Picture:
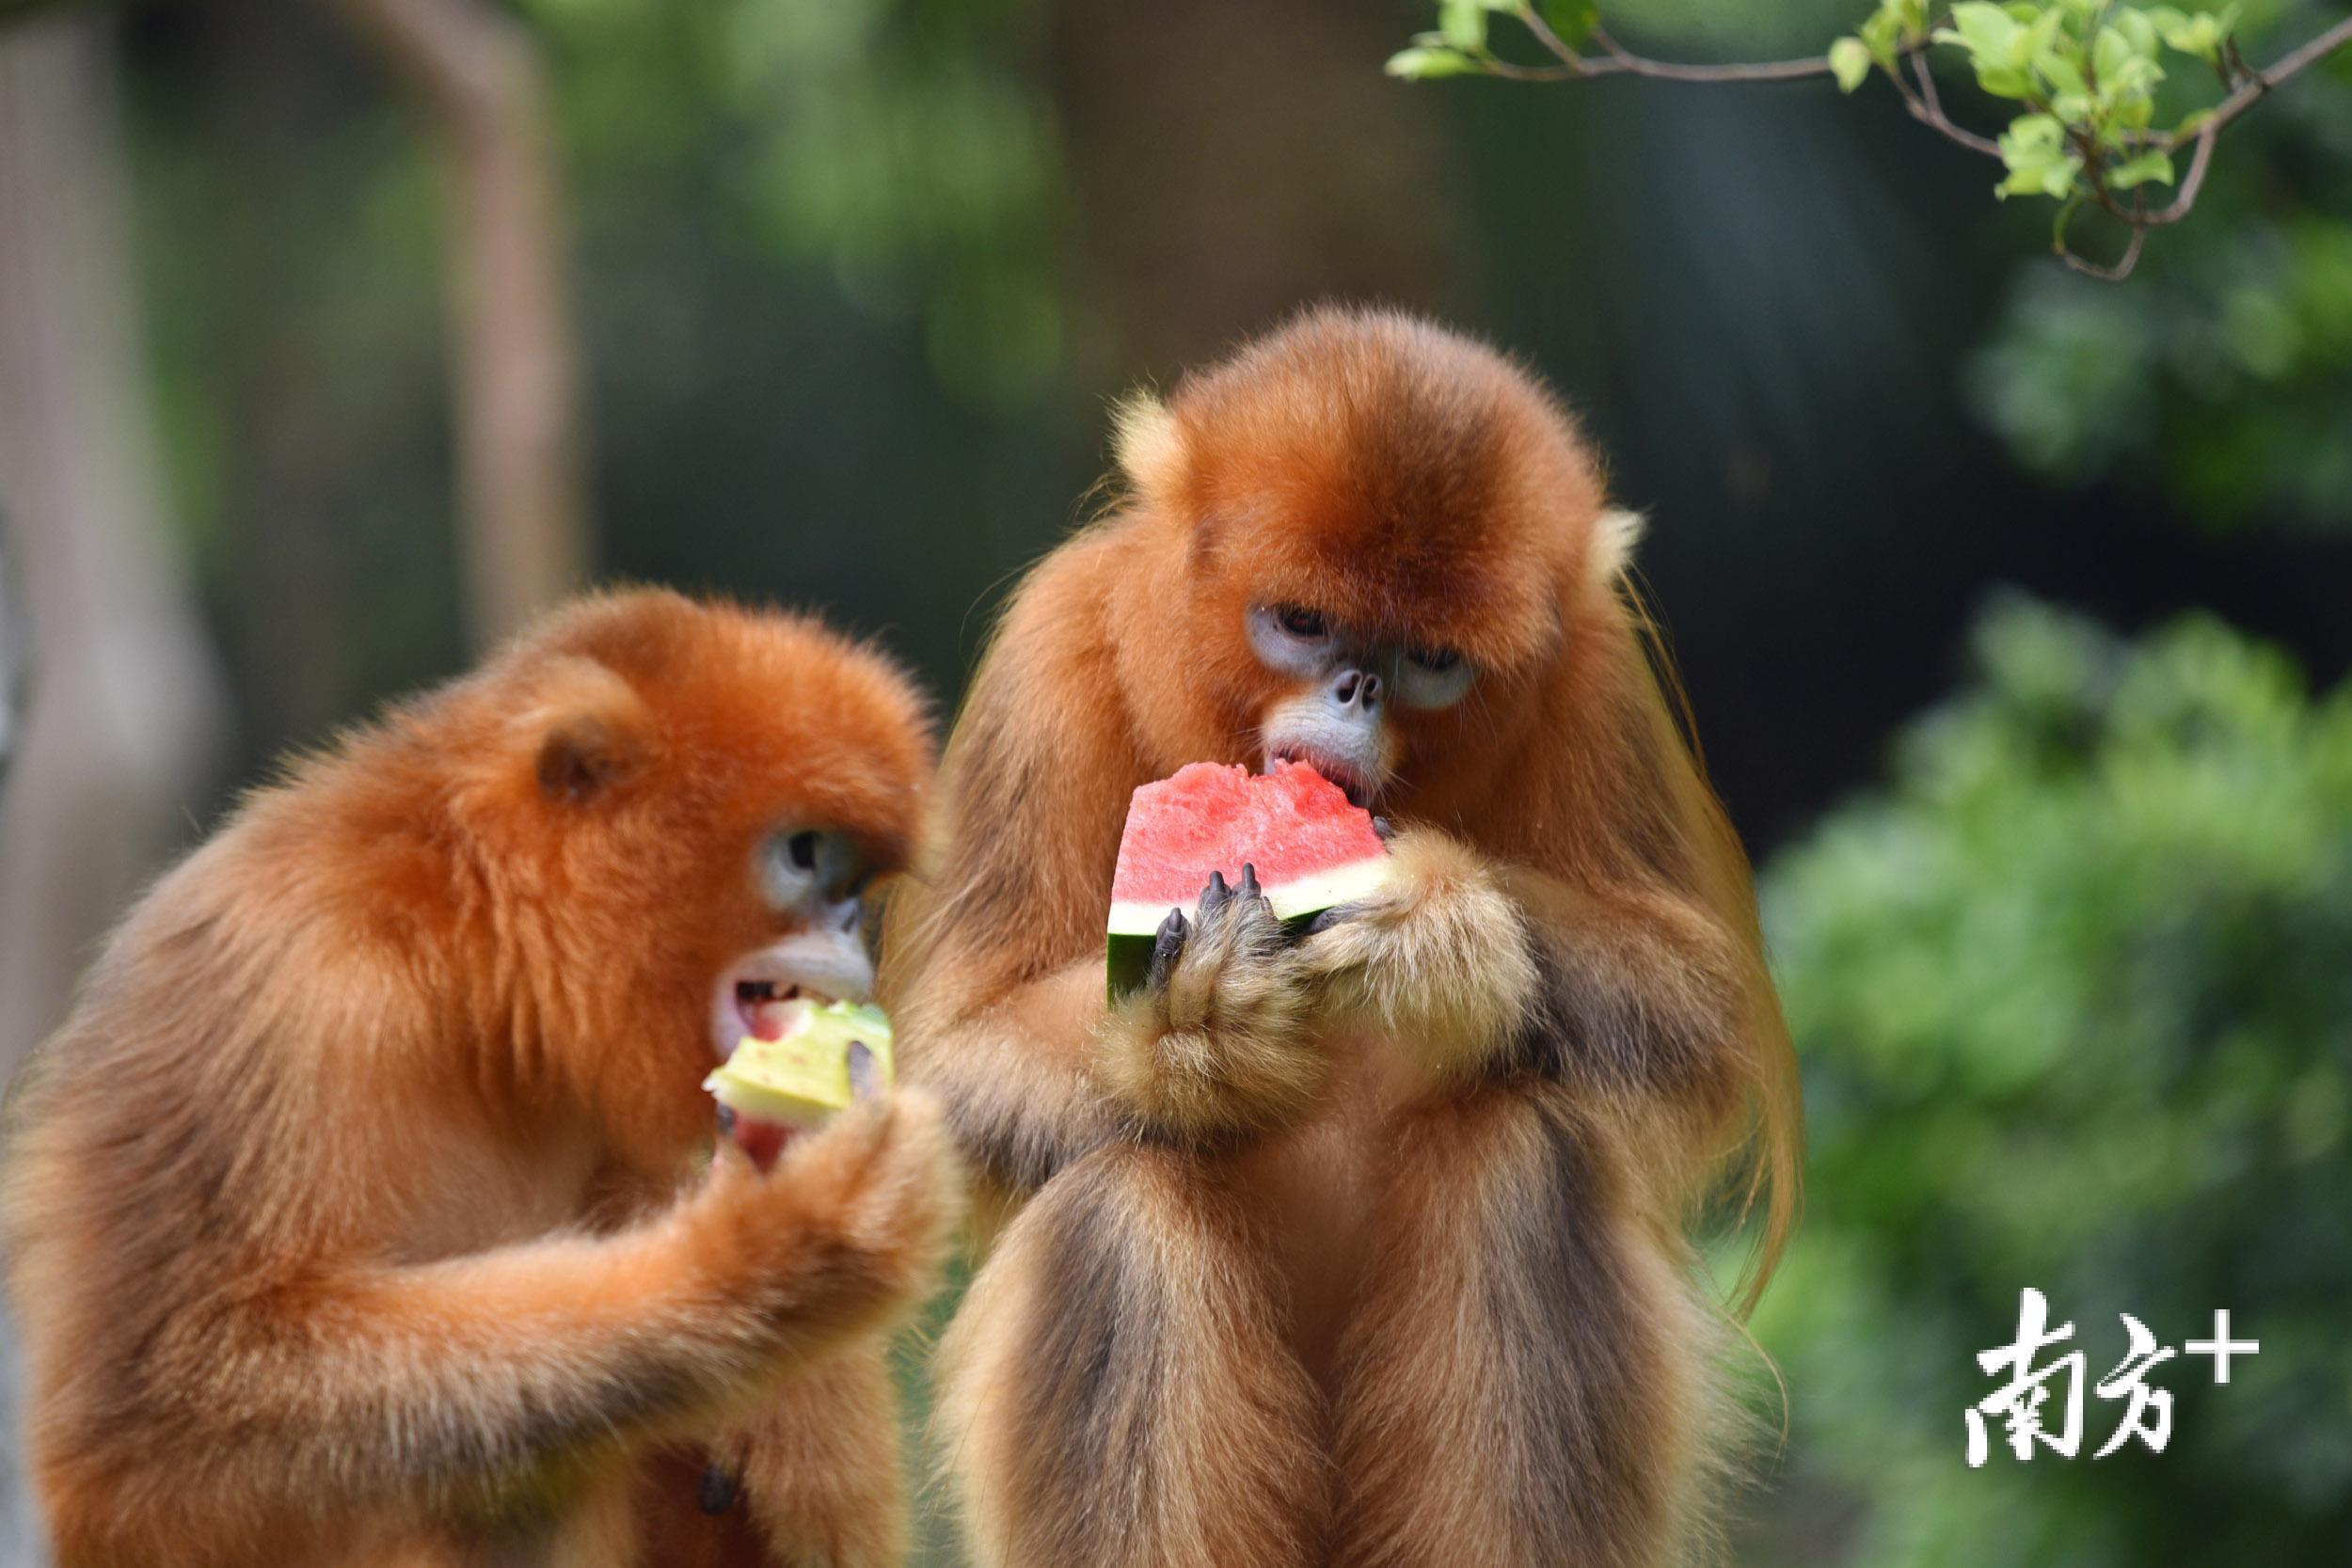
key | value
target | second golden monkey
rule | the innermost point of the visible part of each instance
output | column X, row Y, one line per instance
column 1366, row 1250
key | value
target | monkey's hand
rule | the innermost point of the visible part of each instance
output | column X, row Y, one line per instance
column 1215, row 1042
column 818, row 1466
column 1437, row 961
column 847, row 1231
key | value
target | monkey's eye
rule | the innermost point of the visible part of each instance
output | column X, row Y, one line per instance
column 808, row 867
column 1290, row 640
column 1433, row 677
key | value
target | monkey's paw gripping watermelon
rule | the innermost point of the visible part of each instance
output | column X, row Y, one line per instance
column 1310, row 849
column 825, row 1058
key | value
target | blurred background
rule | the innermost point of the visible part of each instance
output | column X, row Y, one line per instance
column 2015, row 608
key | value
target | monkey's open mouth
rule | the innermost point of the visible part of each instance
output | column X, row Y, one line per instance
column 1360, row 791
column 765, row 1006
column 760, row 992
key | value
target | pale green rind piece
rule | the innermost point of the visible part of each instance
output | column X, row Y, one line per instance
column 1341, row 884
column 804, row 1077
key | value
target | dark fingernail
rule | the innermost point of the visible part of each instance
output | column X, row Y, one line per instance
column 1213, row 895
column 1166, row 946
column 718, row 1491
column 726, row 1120
column 1249, row 888
column 1383, row 829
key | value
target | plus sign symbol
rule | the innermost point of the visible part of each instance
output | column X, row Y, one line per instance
column 2221, row 1348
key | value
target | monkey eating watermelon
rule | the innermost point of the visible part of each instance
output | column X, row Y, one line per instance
column 1291, row 830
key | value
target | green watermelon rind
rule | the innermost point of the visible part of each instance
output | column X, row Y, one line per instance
column 1135, row 926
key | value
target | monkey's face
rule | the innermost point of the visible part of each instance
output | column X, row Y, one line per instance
column 1382, row 535
column 711, row 795
column 1345, row 684
column 812, row 880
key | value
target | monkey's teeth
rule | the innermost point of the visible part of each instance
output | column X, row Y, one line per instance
column 766, row 1007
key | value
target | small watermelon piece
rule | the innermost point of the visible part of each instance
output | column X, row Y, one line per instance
column 1310, row 847
column 824, row 1059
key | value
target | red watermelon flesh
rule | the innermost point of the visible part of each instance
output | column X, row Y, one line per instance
column 1309, row 847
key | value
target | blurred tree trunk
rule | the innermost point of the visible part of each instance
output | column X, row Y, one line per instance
column 127, row 708
column 1224, row 184
column 475, row 74
column 126, row 711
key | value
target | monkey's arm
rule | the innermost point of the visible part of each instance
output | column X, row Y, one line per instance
column 993, row 960
column 1214, row 1044
column 1640, row 992
column 1634, row 994
column 1015, row 1073
column 433, row 1384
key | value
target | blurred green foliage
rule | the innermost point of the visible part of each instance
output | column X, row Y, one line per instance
column 2218, row 382
column 903, row 145
column 2221, row 382
column 2220, row 378
column 2074, row 1005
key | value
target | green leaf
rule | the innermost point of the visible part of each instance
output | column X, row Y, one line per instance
column 2059, row 67
column 2191, row 124
column 1573, row 20
column 2140, row 170
column 2135, row 30
column 2109, row 52
column 2003, row 81
column 1985, row 29
column 1464, row 25
column 2033, row 39
column 2031, row 133
column 1880, row 33
column 2197, row 33
column 2039, row 162
column 1850, row 62
column 1422, row 65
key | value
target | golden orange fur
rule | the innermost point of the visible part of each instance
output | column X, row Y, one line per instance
column 1367, row 1250
column 354, row 1215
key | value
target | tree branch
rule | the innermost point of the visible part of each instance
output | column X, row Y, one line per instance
column 1926, row 105
column 1927, row 108
column 2291, row 64
column 1618, row 60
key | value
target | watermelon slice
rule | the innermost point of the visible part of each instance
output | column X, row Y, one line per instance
column 1310, row 849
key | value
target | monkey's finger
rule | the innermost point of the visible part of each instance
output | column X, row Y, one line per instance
column 1338, row 914
column 1213, row 896
column 1251, row 915
column 1167, row 946
column 761, row 1141
column 718, row 1491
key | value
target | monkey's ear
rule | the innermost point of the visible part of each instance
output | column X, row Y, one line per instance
column 1615, row 534
column 587, row 732
column 1150, row 444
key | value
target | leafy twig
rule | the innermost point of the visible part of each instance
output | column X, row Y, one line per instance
column 2085, row 136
